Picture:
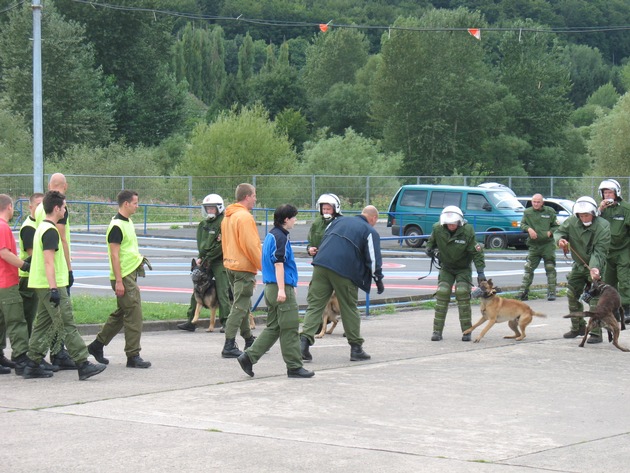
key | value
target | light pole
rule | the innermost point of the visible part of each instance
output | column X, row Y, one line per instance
column 38, row 148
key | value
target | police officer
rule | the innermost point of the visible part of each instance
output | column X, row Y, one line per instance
column 329, row 207
column 539, row 221
column 587, row 237
column 211, row 258
column 453, row 240
column 617, row 213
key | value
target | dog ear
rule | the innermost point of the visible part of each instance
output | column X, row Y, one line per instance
column 193, row 264
column 490, row 282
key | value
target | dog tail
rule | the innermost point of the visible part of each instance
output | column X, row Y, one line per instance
column 538, row 314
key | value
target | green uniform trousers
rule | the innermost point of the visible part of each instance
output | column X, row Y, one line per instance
column 12, row 321
column 462, row 278
column 243, row 284
column 48, row 319
column 218, row 271
column 547, row 253
column 29, row 300
column 617, row 273
column 323, row 283
column 283, row 322
column 576, row 280
column 128, row 315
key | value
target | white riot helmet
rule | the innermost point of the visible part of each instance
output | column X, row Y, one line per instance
column 212, row 200
column 612, row 185
column 331, row 199
column 585, row 205
column 452, row 214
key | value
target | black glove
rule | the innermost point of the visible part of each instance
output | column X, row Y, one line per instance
column 480, row 277
column 586, row 296
column 379, row 285
column 430, row 252
column 70, row 278
column 26, row 267
column 55, row 298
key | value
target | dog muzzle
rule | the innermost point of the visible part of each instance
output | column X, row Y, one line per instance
column 477, row 293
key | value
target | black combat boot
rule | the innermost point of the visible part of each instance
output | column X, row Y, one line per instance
column 5, row 370
column 466, row 337
column 187, row 326
column 523, row 295
column 96, row 350
column 35, row 370
column 304, row 344
column 87, row 369
column 137, row 362
column 63, row 360
column 249, row 341
column 230, row 349
column 436, row 337
column 551, row 295
column 626, row 314
column 246, row 364
column 357, row 353
column 300, row 373
column 4, row 361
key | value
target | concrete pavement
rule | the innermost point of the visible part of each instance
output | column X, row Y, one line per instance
column 542, row 404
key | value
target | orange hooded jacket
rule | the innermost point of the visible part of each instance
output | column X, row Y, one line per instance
column 242, row 250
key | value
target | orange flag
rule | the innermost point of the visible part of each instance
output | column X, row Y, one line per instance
column 476, row 32
column 323, row 27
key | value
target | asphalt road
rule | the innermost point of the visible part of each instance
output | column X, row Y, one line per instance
column 171, row 250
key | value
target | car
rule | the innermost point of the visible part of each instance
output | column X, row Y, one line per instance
column 563, row 207
column 496, row 185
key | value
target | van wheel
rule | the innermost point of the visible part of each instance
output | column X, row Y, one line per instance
column 413, row 242
column 496, row 242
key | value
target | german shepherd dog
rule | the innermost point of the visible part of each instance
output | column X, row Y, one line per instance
column 205, row 291
column 497, row 309
column 330, row 316
column 608, row 313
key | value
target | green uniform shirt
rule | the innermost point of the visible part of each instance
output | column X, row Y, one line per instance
column 37, row 278
column 29, row 223
column 589, row 243
column 317, row 230
column 618, row 216
column 542, row 221
column 457, row 250
column 130, row 257
column 209, row 240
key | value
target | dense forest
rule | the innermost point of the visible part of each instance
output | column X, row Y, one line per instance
column 346, row 87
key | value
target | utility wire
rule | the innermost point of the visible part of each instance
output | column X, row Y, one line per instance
column 294, row 24
column 12, row 7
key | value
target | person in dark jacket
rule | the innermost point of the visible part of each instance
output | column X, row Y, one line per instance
column 349, row 258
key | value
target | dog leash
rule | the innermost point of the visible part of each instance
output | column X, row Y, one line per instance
column 435, row 261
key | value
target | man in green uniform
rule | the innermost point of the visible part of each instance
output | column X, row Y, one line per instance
column 329, row 208
column 211, row 258
column 587, row 237
column 617, row 213
column 280, row 276
column 454, row 242
column 27, row 232
column 539, row 221
column 125, row 265
column 49, row 278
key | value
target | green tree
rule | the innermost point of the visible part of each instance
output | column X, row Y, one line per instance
column 435, row 97
column 16, row 146
column 587, row 71
column 76, row 103
column 238, row 143
column 343, row 106
column 609, row 146
column 346, row 159
column 334, row 56
column 605, row 96
column 295, row 125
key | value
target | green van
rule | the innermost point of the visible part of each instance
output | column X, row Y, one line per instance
column 415, row 208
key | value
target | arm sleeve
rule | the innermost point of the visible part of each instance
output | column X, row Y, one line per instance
column 26, row 235
column 50, row 240
column 115, row 235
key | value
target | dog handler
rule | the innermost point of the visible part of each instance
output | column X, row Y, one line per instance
column 211, row 258
column 587, row 237
column 539, row 221
column 617, row 213
column 125, row 264
column 457, row 245
column 280, row 276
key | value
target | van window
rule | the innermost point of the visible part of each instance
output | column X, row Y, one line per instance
column 476, row 202
column 440, row 199
column 414, row 198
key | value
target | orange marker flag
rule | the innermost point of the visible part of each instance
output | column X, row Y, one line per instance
column 476, row 32
column 323, row 27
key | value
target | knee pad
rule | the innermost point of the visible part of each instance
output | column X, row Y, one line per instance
column 462, row 291
column 443, row 292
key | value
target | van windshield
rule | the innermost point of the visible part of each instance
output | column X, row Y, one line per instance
column 505, row 200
